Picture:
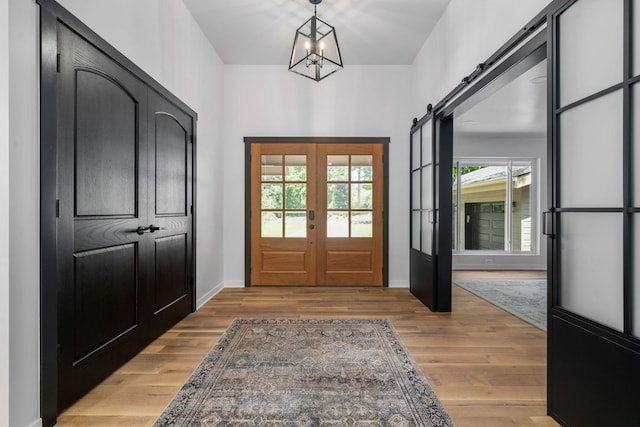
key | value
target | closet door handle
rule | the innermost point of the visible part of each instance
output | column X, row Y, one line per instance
column 141, row 230
column 151, row 229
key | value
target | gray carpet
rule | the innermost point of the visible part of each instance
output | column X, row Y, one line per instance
column 526, row 299
column 304, row 372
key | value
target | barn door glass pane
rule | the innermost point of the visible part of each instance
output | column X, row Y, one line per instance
column 592, row 285
column 636, row 37
column 636, row 143
column 636, row 275
column 427, row 209
column 415, row 230
column 597, row 24
column 591, row 153
column 415, row 151
column 427, row 145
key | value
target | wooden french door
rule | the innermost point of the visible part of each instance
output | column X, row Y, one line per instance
column 124, row 229
column 316, row 214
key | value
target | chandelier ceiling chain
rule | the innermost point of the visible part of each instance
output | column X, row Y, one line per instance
column 315, row 53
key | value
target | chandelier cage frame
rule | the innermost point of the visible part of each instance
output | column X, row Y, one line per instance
column 315, row 53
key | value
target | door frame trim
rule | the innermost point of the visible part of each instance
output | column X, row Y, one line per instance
column 51, row 15
column 249, row 140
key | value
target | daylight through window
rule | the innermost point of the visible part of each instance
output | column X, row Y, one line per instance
column 494, row 205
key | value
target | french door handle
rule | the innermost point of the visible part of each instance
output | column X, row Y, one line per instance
column 312, row 215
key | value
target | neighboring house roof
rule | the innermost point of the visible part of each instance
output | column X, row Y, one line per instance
column 492, row 173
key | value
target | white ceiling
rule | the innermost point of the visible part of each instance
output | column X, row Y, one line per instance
column 520, row 107
column 370, row 32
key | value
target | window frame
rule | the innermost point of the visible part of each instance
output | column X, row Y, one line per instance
column 534, row 197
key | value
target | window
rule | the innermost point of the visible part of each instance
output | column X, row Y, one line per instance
column 494, row 205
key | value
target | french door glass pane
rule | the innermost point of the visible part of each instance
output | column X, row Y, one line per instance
column 295, row 196
column 591, row 153
column 427, row 143
column 362, row 168
column 271, row 225
column 361, row 196
column 337, row 224
column 415, row 150
column 521, row 232
column 296, row 168
column 591, row 42
column 295, row 224
column 427, row 230
column 636, row 275
column 271, row 166
column 591, row 266
column 271, row 196
column 361, row 224
column 415, row 230
column 337, row 168
column 338, row 196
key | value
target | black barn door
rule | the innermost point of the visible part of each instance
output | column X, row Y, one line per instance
column 124, row 230
column 594, row 219
column 430, row 216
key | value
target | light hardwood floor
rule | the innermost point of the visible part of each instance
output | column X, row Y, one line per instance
column 487, row 366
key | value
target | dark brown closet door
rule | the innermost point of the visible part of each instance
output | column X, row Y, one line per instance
column 170, row 133
column 124, row 228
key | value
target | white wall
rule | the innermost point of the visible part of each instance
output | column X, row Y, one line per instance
column 162, row 38
column 357, row 101
column 4, row 213
column 468, row 33
column 24, row 216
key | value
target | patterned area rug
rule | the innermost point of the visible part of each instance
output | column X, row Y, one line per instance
column 526, row 299
column 298, row 372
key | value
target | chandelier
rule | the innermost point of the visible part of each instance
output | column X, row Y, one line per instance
column 316, row 53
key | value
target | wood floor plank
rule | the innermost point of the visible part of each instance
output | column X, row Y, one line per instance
column 487, row 366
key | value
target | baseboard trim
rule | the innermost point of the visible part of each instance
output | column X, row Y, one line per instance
column 399, row 284
column 210, row 294
column 234, row 284
column 36, row 423
column 512, row 267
